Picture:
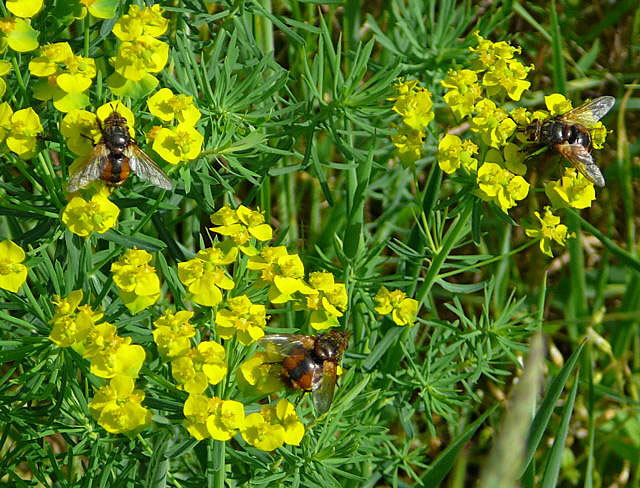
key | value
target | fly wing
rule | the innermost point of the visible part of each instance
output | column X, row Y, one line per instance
column 582, row 160
column 589, row 113
column 88, row 170
column 323, row 394
column 284, row 344
column 146, row 169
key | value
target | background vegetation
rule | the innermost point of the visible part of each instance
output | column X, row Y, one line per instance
column 296, row 121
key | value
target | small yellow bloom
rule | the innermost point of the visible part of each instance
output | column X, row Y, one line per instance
column 204, row 276
column 182, row 143
column 72, row 323
column 492, row 123
column 283, row 272
column 141, row 21
column 25, row 128
column 18, row 34
column 141, row 56
column 172, row 333
column 490, row 53
column 262, row 434
column 463, row 91
column 200, row 367
column 167, row 107
column 119, row 357
column 13, row 273
column 241, row 225
column 512, row 160
column 409, row 143
column 501, row 186
column 550, row 230
column 573, row 190
column 244, row 319
column 403, row 310
column 83, row 217
column 101, row 9
column 137, row 281
column 225, row 418
column 328, row 303
column 117, row 406
column 453, row 152
column 415, row 106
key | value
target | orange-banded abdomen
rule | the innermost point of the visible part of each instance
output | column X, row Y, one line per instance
column 301, row 371
column 116, row 170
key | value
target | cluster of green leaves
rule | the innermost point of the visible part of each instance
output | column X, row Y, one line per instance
column 296, row 121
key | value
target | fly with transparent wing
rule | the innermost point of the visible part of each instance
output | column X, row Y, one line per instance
column 570, row 135
column 309, row 363
column 115, row 157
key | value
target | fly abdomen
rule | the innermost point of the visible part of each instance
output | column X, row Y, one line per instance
column 116, row 171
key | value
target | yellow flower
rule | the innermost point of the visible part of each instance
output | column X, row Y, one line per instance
column 507, row 76
column 327, row 303
column 492, row 123
column 550, row 230
column 141, row 21
column 557, row 104
column 225, row 418
column 245, row 319
column 490, row 53
column 182, row 143
column 5, row 120
column 241, row 225
column 501, row 186
column 13, row 273
column 403, row 310
column 18, row 34
column 512, row 160
column 118, row 357
column 285, row 415
column 453, row 153
column 204, row 276
column 414, row 104
column 25, row 127
column 172, row 333
column 573, row 190
column 72, row 323
column 200, row 367
column 409, row 143
column 167, row 107
column 463, row 91
column 83, row 217
column 138, row 57
column 117, row 406
column 262, row 434
column 137, row 282
column 260, row 374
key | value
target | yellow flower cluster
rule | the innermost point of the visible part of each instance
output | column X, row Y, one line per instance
column 415, row 106
column 471, row 94
column 117, row 405
column 97, row 214
column 137, row 282
column 182, row 142
column 65, row 77
column 139, row 53
column 403, row 310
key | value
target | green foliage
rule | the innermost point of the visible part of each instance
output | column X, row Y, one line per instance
column 297, row 120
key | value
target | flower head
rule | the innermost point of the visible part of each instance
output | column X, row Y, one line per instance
column 572, row 190
column 137, row 282
column 260, row 374
column 82, row 217
column 182, row 143
column 172, row 333
column 167, row 107
column 463, row 91
column 241, row 225
column 453, row 152
column 414, row 104
column 492, row 123
column 244, row 319
column 403, row 310
column 18, row 34
column 13, row 273
column 329, row 301
column 204, row 276
column 117, row 406
column 25, row 127
column 408, row 143
column 200, row 367
column 71, row 322
column 501, row 186
column 550, row 230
